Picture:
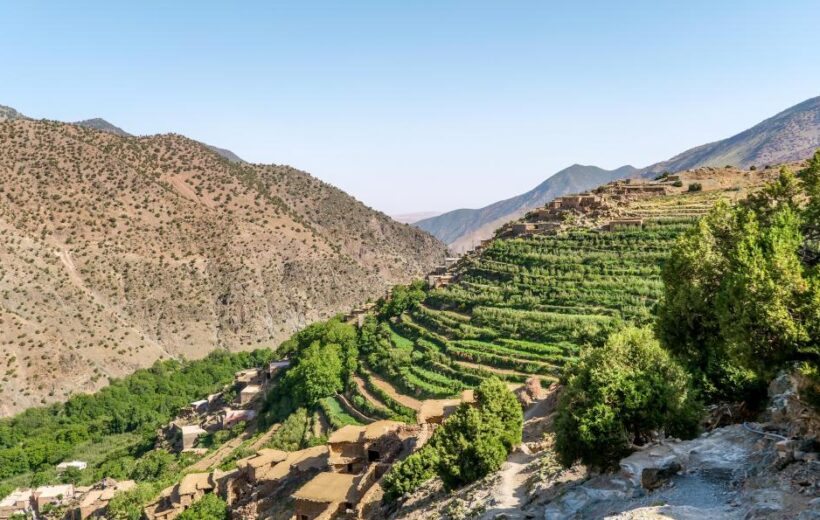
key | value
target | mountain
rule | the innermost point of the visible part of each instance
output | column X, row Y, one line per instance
column 7, row 113
column 791, row 135
column 410, row 218
column 116, row 251
column 462, row 229
column 104, row 126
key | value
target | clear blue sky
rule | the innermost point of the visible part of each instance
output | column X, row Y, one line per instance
column 417, row 105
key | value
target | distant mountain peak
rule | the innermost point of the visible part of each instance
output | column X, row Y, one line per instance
column 8, row 113
column 790, row 135
column 101, row 124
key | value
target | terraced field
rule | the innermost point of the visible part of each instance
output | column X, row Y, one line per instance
column 526, row 306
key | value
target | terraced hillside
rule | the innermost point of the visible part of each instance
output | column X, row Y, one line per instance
column 525, row 305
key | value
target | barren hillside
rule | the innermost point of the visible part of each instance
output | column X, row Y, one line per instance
column 117, row 251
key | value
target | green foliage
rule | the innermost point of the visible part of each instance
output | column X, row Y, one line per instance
column 324, row 357
column 128, row 505
column 741, row 293
column 42, row 437
column 695, row 186
column 209, row 507
column 292, row 433
column 618, row 395
column 403, row 298
column 408, row 474
column 472, row 443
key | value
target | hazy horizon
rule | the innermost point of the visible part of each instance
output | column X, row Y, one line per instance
column 424, row 107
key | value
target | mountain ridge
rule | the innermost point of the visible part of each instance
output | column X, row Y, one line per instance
column 790, row 135
column 117, row 251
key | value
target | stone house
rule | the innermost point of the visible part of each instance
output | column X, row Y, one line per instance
column 327, row 496
column 250, row 376
column 248, row 394
column 232, row 417
column 352, row 448
column 95, row 502
column 187, row 436
column 54, row 495
column 434, row 411
column 17, row 503
column 258, row 465
column 76, row 464
column 624, row 224
column 276, row 366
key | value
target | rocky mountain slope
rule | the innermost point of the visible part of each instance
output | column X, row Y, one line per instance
column 791, row 135
column 117, row 251
column 462, row 229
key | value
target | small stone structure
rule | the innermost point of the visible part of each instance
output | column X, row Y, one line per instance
column 19, row 502
column 94, row 502
column 327, row 495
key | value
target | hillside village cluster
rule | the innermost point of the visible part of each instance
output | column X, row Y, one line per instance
column 335, row 480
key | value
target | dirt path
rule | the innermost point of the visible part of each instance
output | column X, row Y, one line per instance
column 367, row 395
column 216, row 458
column 387, row 388
column 510, row 492
column 259, row 443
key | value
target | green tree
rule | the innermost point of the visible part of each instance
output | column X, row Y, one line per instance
column 618, row 396
column 210, row 507
column 408, row 474
column 741, row 290
column 317, row 374
column 129, row 504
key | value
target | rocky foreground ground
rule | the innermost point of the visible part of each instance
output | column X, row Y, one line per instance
column 749, row 470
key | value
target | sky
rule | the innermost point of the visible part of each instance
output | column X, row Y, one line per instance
column 417, row 105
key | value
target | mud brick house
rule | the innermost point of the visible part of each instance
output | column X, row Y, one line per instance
column 326, row 496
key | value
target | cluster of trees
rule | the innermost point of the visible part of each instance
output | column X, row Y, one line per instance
column 324, row 358
column 473, row 442
column 742, row 289
column 403, row 298
column 741, row 301
column 620, row 395
column 39, row 438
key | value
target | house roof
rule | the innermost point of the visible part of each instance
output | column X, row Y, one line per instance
column 376, row 429
column 251, row 389
column 265, row 457
column 436, row 408
column 328, row 488
column 65, row 490
column 191, row 429
column 349, row 433
column 193, row 482
column 18, row 495
column 315, row 457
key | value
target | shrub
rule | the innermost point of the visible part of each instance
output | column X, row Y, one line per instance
column 677, row 184
column 210, row 507
column 409, row 474
column 618, row 395
column 695, row 186
column 473, row 442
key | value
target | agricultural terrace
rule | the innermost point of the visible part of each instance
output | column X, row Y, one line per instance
column 522, row 307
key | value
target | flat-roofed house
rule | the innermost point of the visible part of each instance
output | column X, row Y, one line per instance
column 276, row 366
column 434, row 411
column 345, row 449
column 258, row 465
column 248, row 394
column 54, row 495
column 192, row 487
column 188, row 436
column 76, row 464
column 626, row 223
column 326, row 496
column 95, row 501
column 249, row 376
column 18, row 502
column 351, row 448
column 232, row 417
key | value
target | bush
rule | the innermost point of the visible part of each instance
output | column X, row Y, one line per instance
column 742, row 290
column 618, row 396
column 472, row 443
column 210, row 507
column 409, row 474
column 678, row 184
column 695, row 186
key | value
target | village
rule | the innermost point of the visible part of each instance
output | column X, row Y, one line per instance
column 337, row 479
